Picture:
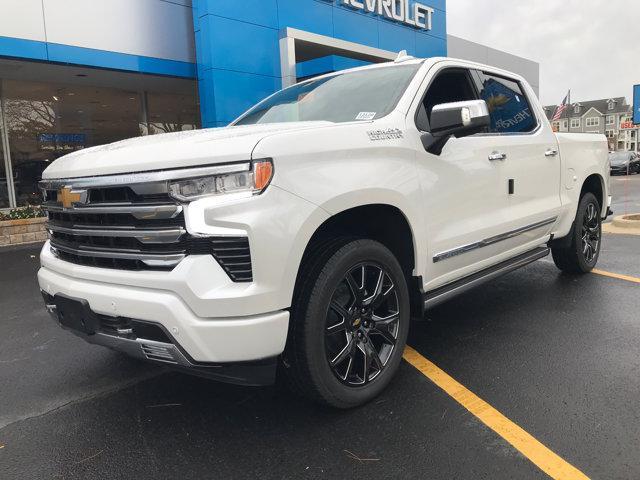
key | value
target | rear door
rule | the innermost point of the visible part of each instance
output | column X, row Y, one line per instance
column 531, row 168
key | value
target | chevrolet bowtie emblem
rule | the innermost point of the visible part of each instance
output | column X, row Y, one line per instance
column 69, row 197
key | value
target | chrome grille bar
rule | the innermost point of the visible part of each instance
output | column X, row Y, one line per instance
column 152, row 260
column 139, row 212
column 172, row 235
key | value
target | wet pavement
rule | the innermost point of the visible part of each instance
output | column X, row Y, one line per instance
column 559, row 355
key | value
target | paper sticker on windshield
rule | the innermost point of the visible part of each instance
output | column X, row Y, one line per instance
column 366, row 115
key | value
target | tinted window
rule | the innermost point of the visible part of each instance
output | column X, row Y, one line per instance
column 508, row 106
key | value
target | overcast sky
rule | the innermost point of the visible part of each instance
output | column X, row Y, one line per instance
column 590, row 46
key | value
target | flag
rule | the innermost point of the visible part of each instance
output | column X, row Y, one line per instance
column 561, row 108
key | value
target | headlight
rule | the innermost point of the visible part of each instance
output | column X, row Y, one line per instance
column 250, row 178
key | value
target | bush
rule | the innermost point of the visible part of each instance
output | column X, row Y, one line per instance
column 22, row 213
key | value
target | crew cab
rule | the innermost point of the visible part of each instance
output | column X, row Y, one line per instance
column 302, row 238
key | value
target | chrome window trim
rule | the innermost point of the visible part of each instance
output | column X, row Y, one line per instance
column 158, row 176
column 454, row 252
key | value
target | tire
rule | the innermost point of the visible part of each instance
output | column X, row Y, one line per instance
column 349, row 323
column 581, row 256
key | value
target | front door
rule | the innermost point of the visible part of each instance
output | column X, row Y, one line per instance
column 466, row 201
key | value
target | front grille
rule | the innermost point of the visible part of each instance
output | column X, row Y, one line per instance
column 136, row 227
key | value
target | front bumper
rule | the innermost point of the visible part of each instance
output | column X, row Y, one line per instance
column 163, row 349
column 621, row 170
column 193, row 341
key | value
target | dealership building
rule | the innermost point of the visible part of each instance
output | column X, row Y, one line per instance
column 78, row 73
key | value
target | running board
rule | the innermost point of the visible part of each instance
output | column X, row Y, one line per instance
column 446, row 292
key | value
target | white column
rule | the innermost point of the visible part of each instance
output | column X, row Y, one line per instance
column 288, row 61
column 4, row 139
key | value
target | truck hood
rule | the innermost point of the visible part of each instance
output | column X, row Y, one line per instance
column 171, row 150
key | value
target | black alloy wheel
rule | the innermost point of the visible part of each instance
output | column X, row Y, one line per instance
column 349, row 322
column 579, row 251
column 362, row 324
column 591, row 233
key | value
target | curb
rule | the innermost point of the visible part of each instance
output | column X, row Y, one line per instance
column 623, row 225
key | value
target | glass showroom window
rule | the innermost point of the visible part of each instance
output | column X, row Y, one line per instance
column 46, row 121
column 168, row 113
column 4, row 181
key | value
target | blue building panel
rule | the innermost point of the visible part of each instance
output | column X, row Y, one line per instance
column 636, row 105
column 428, row 46
column 17, row 47
column 238, row 50
column 309, row 15
column 438, row 26
column 355, row 27
column 207, row 100
column 239, row 46
column 118, row 61
column 236, row 92
column 54, row 52
column 258, row 12
column 395, row 37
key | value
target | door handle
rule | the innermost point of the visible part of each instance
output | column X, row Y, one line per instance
column 497, row 156
column 552, row 152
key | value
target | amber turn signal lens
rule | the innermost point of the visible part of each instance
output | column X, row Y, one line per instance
column 262, row 173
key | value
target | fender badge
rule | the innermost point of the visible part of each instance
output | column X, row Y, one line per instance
column 385, row 134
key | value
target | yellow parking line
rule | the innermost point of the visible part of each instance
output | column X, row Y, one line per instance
column 536, row 452
column 616, row 275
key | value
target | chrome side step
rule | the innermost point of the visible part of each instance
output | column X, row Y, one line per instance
column 446, row 292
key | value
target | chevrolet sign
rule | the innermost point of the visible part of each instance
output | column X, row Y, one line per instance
column 416, row 15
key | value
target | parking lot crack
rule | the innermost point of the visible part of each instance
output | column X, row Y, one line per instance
column 84, row 398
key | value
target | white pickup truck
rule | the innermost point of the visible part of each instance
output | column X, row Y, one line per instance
column 304, row 236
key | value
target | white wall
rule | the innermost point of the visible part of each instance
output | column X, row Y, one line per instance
column 467, row 50
column 22, row 19
column 152, row 28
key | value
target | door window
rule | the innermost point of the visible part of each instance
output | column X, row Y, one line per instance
column 450, row 85
column 508, row 105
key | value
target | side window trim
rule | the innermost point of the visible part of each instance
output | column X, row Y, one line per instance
column 477, row 77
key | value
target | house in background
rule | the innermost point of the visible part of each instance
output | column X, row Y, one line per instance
column 611, row 117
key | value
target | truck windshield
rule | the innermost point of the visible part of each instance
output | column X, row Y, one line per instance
column 360, row 95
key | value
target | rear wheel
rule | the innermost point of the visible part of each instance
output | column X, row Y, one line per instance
column 349, row 323
column 581, row 255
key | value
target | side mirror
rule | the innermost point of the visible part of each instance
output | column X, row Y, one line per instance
column 458, row 119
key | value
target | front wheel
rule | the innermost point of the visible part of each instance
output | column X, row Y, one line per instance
column 582, row 254
column 349, row 323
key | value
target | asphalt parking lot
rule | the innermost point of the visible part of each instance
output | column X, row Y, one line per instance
column 557, row 355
